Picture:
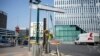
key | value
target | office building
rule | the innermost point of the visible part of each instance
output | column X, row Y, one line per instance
column 34, row 29
column 23, row 32
column 83, row 13
column 3, row 19
column 4, row 32
column 67, row 33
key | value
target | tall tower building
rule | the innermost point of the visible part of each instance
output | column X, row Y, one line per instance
column 83, row 13
column 3, row 19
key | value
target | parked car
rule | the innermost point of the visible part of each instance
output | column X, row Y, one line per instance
column 5, row 43
column 25, row 42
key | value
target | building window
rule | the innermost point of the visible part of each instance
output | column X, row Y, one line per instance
column 69, row 1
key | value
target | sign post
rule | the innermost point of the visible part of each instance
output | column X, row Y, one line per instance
column 17, row 34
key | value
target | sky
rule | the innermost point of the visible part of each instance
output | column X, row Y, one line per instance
column 18, row 12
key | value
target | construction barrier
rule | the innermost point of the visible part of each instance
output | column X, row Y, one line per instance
column 56, row 43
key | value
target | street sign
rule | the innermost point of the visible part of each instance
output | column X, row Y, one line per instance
column 17, row 29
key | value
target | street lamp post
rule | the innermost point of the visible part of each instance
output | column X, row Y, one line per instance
column 29, row 27
column 37, row 32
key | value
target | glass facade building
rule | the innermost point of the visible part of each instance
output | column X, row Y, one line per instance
column 83, row 13
column 67, row 33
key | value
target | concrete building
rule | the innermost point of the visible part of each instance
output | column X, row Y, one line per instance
column 4, row 32
column 34, row 27
column 83, row 13
column 3, row 19
column 24, row 32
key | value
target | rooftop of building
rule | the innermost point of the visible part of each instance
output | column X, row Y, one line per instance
column 2, row 12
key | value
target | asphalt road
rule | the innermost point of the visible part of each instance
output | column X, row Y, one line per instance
column 78, row 50
column 67, row 49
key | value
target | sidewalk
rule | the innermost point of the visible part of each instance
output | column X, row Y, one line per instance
column 15, row 51
column 16, row 54
column 24, row 52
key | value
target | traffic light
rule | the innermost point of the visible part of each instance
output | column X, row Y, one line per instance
column 35, row 1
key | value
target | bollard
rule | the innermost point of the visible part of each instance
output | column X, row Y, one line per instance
column 36, row 48
column 33, row 50
column 33, row 47
column 58, row 53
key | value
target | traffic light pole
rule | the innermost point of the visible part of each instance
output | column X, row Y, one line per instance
column 37, row 32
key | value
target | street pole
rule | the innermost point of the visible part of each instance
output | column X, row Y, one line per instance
column 37, row 35
column 17, row 40
column 37, row 32
column 17, row 35
column 29, row 27
column 44, row 28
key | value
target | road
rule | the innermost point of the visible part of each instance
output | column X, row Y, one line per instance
column 67, row 49
column 79, row 50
